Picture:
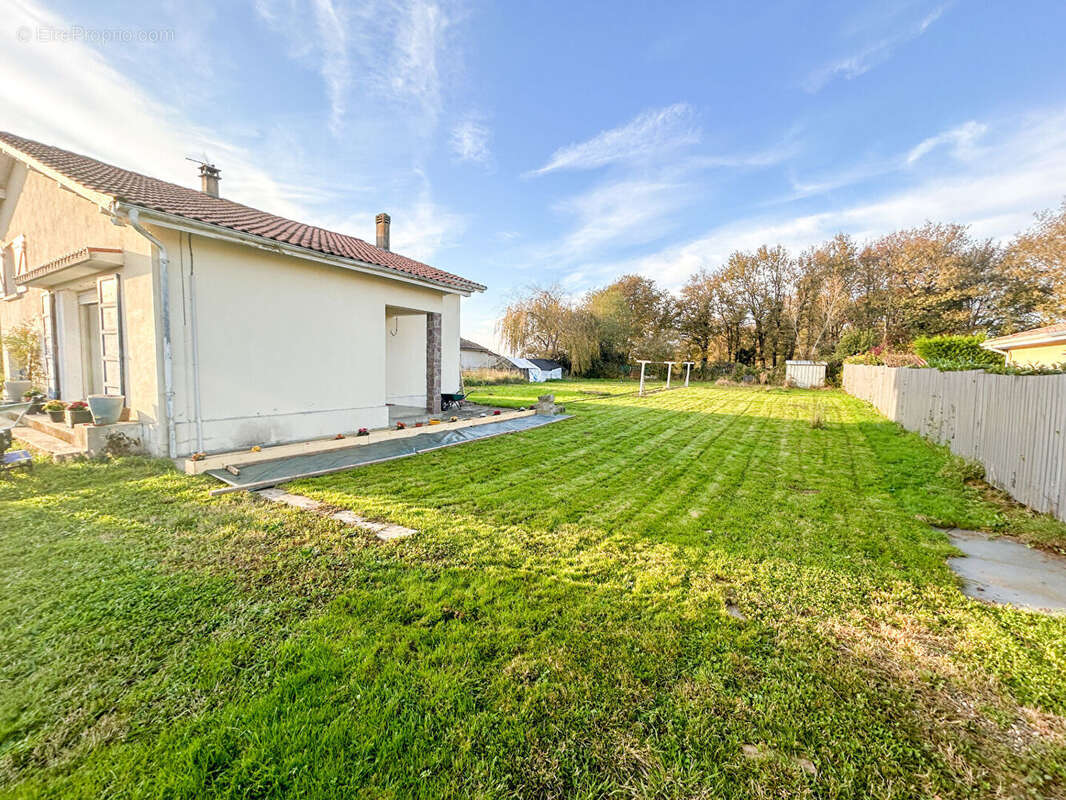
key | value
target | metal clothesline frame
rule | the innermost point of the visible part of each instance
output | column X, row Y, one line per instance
column 669, row 370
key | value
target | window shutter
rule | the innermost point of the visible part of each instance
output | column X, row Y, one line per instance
column 51, row 365
column 110, row 307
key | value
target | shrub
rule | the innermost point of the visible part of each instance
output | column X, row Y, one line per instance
column 23, row 343
column 938, row 350
column 741, row 371
column 854, row 341
column 881, row 356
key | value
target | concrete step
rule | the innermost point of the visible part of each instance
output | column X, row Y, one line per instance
column 56, row 430
column 58, row 449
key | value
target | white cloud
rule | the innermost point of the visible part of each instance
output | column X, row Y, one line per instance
column 1024, row 172
column 335, row 68
column 107, row 116
column 961, row 139
column 646, row 135
column 622, row 212
column 68, row 95
column 470, row 141
column 868, row 57
column 421, row 229
column 962, row 143
column 389, row 52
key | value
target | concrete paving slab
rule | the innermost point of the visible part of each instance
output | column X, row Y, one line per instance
column 1007, row 572
column 387, row 532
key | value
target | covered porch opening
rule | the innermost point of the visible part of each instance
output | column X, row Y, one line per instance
column 82, row 337
column 412, row 363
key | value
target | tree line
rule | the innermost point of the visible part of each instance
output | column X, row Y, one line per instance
column 763, row 307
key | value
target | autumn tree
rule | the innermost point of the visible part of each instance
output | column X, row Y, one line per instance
column 635, row 317
column 1036, row 268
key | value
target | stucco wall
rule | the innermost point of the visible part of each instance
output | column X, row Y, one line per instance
column 405, row 359
column 1042, row 355
column 55, row 222
column 450, row 377
column 475, row 359
column 289, row 349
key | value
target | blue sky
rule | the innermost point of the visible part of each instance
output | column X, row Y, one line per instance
column 545, row 142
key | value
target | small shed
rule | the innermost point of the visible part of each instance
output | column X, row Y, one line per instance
column 548, row 370
column 805, row 374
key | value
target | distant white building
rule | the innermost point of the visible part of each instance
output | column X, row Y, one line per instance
column 475, row 356
column 805, row 374
column 539, row 370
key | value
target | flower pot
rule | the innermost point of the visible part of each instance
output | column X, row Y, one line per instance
column 36, row 406
column 106, row 408
column 78, row 416
column 56, row 416
column 13, row 390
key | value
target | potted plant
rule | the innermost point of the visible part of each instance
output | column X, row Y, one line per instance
column 78, row 412
column 56, row 410
column 106, row 408
column 36, row 398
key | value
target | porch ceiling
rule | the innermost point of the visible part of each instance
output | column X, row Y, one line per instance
column 78, row 264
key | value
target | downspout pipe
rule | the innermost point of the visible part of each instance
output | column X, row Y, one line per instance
column 133, row 217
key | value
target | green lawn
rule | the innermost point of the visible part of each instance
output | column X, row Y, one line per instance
column 691, row 594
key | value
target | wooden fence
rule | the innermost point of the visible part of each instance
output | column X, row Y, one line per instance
column 1013, row 425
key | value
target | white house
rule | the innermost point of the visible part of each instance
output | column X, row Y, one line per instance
column 475, row 356
column 223, row 326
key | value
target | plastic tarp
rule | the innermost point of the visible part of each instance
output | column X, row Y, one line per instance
column 270, row 473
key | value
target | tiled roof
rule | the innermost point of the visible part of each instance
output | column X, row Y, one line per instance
column 1056, row 331
column 546, row 363
column 466, row 344
column 169, row 198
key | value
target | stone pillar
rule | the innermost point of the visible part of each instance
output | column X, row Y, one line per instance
column 433, row 348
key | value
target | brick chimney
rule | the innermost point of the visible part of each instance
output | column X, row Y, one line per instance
column 383, row 220
column 209, row 175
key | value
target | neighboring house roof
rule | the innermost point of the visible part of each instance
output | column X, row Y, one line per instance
column 156, row 195
column 466, row 344
column 1049, row 334
column 546, row 364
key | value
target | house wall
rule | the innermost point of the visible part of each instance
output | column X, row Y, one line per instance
column 450, row 371
column 290, row 349
column 405, row 359
column 476, row 359
column 55, row 222
column 1042, row 355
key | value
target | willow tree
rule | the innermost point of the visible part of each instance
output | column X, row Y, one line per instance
column 543, row 323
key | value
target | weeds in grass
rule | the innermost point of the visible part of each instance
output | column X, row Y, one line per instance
column 817, row 420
